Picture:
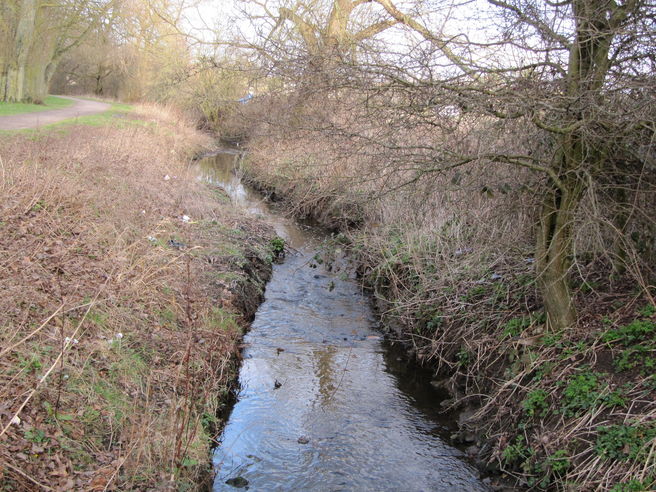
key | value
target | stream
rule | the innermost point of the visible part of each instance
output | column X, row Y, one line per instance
column 325, row 404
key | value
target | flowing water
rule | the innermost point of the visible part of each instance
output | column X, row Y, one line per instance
column 324, row 403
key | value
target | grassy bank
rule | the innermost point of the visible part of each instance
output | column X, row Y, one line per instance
column 50, row 102
column 126, row 283
column 453, row 275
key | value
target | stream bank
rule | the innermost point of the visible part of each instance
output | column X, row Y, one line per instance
column 324, row 404
column 545, row 410
column 126, row 287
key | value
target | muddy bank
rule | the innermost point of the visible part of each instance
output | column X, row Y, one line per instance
column 242, row 295
column 330, row 212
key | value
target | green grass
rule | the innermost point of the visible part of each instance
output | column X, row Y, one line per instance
column 113, row 116
column 50, row 102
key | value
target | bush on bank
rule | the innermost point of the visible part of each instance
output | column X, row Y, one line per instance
column 450, row 262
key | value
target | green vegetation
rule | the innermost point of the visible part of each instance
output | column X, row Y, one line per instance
column 50, row 102
column 624, row 442
column 638, row 344
column 464, row 357
column 636, row 356
column 546, row 472
column 36, row 436
column 635, row 486
column 634, row 332
column 648, row 310
column 582, row 393
column 558, row 462
column 536, row 404
column 517, row 451
column 115, row 116
column 516, row 326
column 542, row 473
column 277, row 245
column 586, row 391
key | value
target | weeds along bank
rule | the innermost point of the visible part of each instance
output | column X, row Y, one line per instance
column 125, row 283
column 450, row 259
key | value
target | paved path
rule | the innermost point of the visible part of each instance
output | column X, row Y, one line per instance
column 81, row 107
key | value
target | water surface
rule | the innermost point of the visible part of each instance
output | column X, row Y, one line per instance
column 322, row 406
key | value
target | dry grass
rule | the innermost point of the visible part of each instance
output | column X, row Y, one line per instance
column 118, row 347
column 448, row 256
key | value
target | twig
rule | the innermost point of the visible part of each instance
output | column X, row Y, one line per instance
column 27, row 337
column 25, row 475
column 51, row 368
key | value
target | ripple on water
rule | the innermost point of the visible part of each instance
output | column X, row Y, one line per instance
column 339, row 419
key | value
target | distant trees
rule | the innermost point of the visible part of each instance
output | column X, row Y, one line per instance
column 94, row 66
column 36, row 34
column 135, row 54
column 124, row 47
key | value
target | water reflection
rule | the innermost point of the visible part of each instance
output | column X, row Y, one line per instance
column 222, row 170
column 325, row 371
column 320, row 408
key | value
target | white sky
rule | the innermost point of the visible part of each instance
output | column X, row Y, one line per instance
column 207, row 16
column 474, row 18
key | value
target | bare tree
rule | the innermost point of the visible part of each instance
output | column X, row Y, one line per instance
column 37, row 34
column 578, row 72
column 582, row 55
column 320, row 33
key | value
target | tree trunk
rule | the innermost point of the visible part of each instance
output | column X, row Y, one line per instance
column 13, row 83
column 596, row 25
column 36, row 82
column 554, row 252
column 99, row 89
column 48, row 73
